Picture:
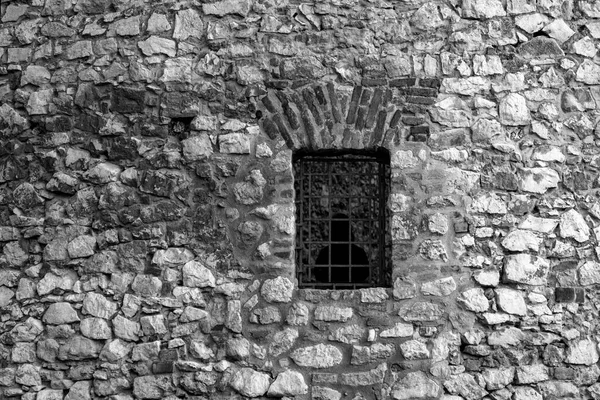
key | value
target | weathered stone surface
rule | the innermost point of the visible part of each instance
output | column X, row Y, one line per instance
column 250, row 382
column 288, row 383
column 439, row 287
column 498, row 378
column 572, row 225
column 414, row 350
column 398, row 330
column 421, row 311
column 332, row 313
column 98, row 306
column 511, row 301
column 540, row 48
column 367, row 378
column 525, row 268
column 532, row 373
column 522, row 240
column 277, row 290
column 197, row 148
column 152, row 386
column 474, row 300
column 513, row 110
column 318, row 356
column 226, row 7
column 60, row 313
column 415, row 385
column 251, row 190
column 172, row 257
column 583, row 352
column 466, row 386
column 79, row 348
column 95, row 328
column 369, row 354
column 157, row 45
column 589, row 273
column 588, row 72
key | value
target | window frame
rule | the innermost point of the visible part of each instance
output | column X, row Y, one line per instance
column 382, row 157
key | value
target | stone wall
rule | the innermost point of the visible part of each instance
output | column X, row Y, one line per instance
column 147, row 221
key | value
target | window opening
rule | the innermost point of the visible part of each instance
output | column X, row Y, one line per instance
column 341, row 216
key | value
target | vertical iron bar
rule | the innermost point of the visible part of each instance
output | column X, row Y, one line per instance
column 381, row 220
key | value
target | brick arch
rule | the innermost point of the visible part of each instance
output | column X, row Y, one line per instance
column 324, row 115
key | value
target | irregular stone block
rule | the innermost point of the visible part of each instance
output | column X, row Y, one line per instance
column 333, row 313
column 250, row 382
column 318, row 356
column 278, row 290
column 525, row 268
column 60, row 313
column 511, row 301
column 572, row 225
column 288, row 383
column 99, row 306
column 415, row 385
column 153, row 386
column 226, row 7
column 465, row 385
column 582, row 352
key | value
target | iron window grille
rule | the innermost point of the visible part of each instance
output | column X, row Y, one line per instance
column 342, row 241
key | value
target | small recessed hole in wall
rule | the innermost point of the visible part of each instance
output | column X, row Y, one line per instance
column 540, row 33
column 180, row 125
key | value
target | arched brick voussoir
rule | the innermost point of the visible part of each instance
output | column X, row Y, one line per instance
column 326, row 116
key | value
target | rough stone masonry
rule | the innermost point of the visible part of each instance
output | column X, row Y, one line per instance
column 147, row 220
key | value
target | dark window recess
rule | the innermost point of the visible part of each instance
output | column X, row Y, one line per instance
column 343, row 240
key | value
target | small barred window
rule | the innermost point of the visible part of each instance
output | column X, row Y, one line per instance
column 343, row 240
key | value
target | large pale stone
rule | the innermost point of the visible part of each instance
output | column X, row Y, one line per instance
column 197, row 148
column 474, row 300
column 333, row 313
column 318, row 356
column 421, row 311
column 538, row 180
column 414, row 350
column 559, row 30
column 188, row 24
column 399, row 329
column 488, row 203
column 522, row 240
column 534, row 373
column 250, row 382
column 157, row 45
column 506, row 337
column 572, row 225
column 225, row 7
column 95, row 328
column 60, row 313
column 99, row 306
column 439, row 287
column 525, row 268
column 588, row 72
column 483, row 9
column 511, row 301
column 498, row 378
column 589, row 273
column 542, row 225
column 582, row 352
column 415, row 385
column 465, row 385
column 278, row 290
column 466, row 86
column 514, row 111
column 531, row 23
column 172, row 257
column 288, row 383
column 197, row 275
